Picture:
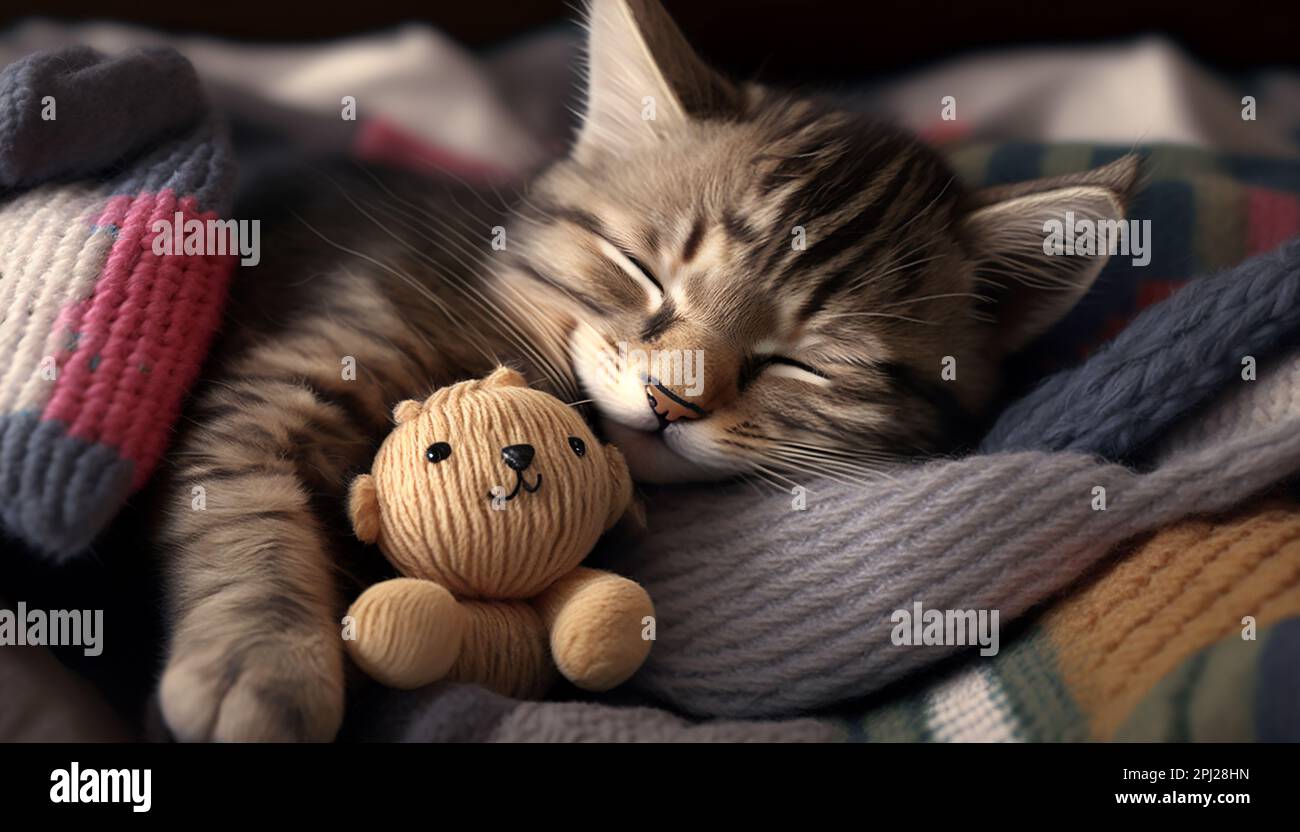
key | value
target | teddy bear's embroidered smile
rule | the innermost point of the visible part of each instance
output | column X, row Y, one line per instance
column 520, row 482
column 518, row 458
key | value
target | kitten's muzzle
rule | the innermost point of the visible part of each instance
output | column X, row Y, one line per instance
column 668, row 406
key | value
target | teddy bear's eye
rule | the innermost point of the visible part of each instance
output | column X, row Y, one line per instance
column 579, row 447
column 437, row 452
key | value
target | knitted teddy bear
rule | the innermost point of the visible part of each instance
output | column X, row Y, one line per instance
column 486, row 498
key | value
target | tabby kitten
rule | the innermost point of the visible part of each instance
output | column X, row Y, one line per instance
column 674, row 225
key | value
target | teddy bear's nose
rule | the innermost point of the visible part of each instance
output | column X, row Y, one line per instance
column 518, row 457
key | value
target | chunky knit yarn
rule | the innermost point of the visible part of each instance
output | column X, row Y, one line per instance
column 763, row 610
column 1187, row 588
column 1171, row 358
column 102, row 336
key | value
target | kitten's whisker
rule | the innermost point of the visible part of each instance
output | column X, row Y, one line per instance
column 553, row 330
column 841, row 315
column 813, row 464
column 814, row 473
column 854, row 456
column 873, row 276
column 826, row 452
column 760, row 468
column 850, row 468
column 497, row 316
column 940, row 296
column 410, row 281
column 844, row 477
column 448, row 174
column 749, row 478
column 928, row 205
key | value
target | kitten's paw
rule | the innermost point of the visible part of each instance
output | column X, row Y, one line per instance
column 269, row 690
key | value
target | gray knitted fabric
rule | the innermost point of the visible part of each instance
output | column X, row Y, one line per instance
column 587, row 722
column 763, row 610
column 467, row 713
column 109, row 110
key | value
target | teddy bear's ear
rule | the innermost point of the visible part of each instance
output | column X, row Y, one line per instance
column 406, row 411
column 623, row 506
column 505, row 377
column 363, row 508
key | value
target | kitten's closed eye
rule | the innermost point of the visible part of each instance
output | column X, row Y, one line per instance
column 649, row 275
column 785, row 367
column 636, row 270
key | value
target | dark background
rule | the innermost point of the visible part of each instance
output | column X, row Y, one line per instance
column 770, row 39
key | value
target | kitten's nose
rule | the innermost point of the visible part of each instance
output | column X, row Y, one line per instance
column 668, row 405
column 517, row 457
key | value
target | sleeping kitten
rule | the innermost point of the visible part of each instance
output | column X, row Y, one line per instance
column 821, row 269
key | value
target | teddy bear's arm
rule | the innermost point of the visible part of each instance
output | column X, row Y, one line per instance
column 596, row 620
column 406, row 632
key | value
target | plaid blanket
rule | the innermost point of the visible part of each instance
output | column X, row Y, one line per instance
column 1208, row 211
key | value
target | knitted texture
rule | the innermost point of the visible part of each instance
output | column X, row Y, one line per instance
column 468, row 713
column 1150, row 646
column 105, row 110
column 1189, row 587
column 1126, row 393
column 776, row 620
column 103, row 335
column 1235, row 689
column 1240, row 690
column 487, row 497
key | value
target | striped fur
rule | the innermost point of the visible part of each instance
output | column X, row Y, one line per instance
column 672, row 233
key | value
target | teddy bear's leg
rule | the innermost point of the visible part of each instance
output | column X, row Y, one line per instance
column 596, row 621
column 505, row 649
column 406, row 632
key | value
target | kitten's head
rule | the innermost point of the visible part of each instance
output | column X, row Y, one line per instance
column 752, row 282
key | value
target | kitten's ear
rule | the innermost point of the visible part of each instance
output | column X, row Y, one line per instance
column 643, row 78
column 1029, row 289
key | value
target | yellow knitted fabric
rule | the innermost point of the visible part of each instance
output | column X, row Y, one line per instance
column 1182, row 590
